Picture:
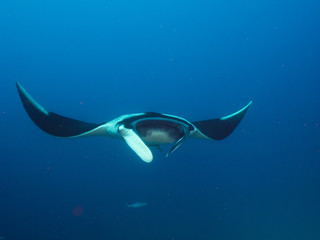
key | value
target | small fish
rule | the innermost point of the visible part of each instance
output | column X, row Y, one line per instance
column 136, row 204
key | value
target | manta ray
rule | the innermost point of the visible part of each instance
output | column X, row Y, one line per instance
column 140, row 130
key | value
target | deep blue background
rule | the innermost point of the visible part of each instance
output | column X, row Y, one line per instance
column 96, row 60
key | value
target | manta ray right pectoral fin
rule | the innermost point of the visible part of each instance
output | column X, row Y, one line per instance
column 56, row 124
column 135, row 143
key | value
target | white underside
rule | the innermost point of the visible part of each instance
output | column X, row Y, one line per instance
column 157, row 137
column 137, row 144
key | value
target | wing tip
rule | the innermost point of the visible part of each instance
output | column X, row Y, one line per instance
column 28, row 102
column 241, row 112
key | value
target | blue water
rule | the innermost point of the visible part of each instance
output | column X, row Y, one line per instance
column 97, row 60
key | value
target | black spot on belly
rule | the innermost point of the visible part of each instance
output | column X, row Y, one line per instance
column 172, row 129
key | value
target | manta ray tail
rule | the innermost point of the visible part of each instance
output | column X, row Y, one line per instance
column 50, row 122
column 221, row 128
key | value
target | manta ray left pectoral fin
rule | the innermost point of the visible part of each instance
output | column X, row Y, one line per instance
column 220, row 128
column 55, row 124
column 135, row 143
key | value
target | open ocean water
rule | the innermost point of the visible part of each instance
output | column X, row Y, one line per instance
column 96, row 60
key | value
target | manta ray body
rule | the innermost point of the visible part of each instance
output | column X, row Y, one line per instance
column 139, row 131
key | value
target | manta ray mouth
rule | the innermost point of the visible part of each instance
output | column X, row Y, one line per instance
column 157, row 137
column 156, row 132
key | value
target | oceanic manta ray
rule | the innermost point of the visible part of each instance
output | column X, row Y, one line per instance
column 139, row 130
